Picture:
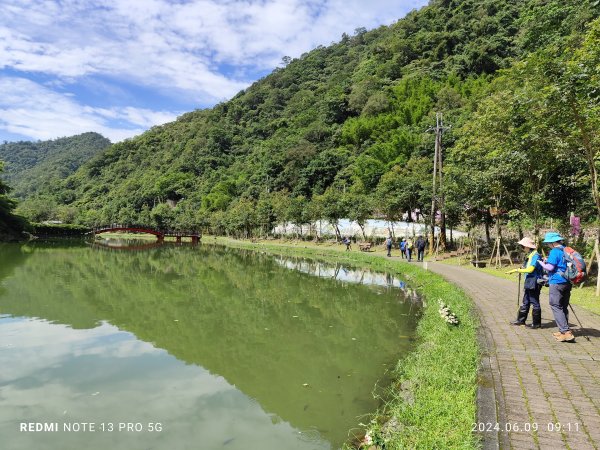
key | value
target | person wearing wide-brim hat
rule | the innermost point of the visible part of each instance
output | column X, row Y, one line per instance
column 559, row 286
column 531, row 291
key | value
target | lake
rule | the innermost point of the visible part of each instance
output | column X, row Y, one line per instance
column 191, row 347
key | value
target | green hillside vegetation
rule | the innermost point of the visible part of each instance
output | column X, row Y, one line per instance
column 11, row 225
column 341, row 131
column 41, row 166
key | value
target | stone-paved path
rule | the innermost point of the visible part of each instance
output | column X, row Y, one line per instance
column 546, row 393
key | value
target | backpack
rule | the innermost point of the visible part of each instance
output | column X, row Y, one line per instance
column 576, row 270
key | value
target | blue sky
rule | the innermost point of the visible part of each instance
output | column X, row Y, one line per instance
column 119, row 67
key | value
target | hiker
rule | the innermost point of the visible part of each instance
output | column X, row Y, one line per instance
column 420, row 244
column 560, row 287
column 409, row 249
column 402, row 246
column 531, row 287
column 348, row 243
column 388, row 244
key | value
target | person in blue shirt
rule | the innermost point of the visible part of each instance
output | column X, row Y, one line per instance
column 388, row 245
column 408, row 247
column 402, row 247
column 560, row 287
column 531, row 288
column 348, row 243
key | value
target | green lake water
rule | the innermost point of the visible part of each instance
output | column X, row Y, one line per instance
column 181, row 347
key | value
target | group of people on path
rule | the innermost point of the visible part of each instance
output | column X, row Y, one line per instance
column 559, row 286
column 407, row 246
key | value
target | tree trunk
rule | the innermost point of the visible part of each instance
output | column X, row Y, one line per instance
column 487, row 228
column 443, row 243
column 362, row 230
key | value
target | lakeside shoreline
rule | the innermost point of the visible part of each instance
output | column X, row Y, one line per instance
column 432, row 400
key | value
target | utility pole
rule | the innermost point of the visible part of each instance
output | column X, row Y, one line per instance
column 438, row 179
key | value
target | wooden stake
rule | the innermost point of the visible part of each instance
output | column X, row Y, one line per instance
column 596, row 253
column 507, row 254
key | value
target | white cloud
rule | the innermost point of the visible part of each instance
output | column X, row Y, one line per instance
column 156, row 42
column 30, row 109
column 173, row 49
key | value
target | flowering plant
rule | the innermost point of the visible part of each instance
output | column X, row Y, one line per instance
column 446, row 314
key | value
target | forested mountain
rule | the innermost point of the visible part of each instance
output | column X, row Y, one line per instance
column 34, row 166
column 342, row 130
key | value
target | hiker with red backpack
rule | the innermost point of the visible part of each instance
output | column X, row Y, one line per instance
column 564, row 266
column 531, row 291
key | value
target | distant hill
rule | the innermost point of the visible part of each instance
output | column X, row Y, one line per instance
column 34, row 166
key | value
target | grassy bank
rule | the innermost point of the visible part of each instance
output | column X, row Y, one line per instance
column 432, row 403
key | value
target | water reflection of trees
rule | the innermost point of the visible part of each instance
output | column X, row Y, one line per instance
column 11, row 256
column 266, row 329
column 344, row 273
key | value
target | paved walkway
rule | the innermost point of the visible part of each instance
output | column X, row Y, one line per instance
column 535, row 392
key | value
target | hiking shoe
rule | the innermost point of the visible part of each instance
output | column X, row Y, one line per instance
column 558, row 333
column 567, row 336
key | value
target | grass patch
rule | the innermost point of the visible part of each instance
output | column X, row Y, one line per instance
column 432, row 402
column 586, row 298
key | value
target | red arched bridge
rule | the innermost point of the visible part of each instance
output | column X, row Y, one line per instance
column 158, row 232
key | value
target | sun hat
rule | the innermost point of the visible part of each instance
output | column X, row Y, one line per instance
column 552, row 236
column 527, row 242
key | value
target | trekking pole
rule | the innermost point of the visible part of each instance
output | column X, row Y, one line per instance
column 519, row 291
column 579, row 321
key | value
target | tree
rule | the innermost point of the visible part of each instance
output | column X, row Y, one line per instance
column 162, row 216
column 333, row 207
column 265, row 213
column 573, row 92
column 38, row 209
column 10, row 224
column 360, row 209
column 296, row 211
column 404, row 189
column 240, row 217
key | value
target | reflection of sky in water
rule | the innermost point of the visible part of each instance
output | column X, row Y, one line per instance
column 52, row 373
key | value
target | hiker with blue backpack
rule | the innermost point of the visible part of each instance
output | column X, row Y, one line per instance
column 531, row 291
column 388, row 245
column 564, row 266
